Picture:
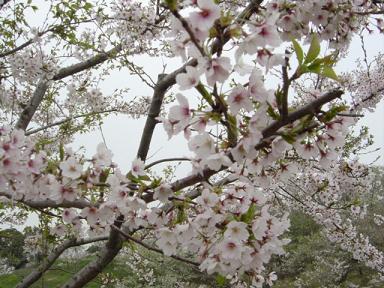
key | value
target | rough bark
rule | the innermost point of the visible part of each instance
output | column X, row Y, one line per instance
column 94, row 268
column 43, row 85
column 48, row 262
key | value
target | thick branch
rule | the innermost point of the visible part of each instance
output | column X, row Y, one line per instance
column 42, row 87
column 29, row 111
column 107, row 254
column 269, row 131
column 91, row 62
column 48, row 262
column 150, row 123
column 311, row 108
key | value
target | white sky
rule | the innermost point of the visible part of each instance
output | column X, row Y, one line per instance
column 123, row 134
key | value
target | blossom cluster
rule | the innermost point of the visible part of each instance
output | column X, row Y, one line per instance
column 31, row 65
column 230, row 231
column 256, row 134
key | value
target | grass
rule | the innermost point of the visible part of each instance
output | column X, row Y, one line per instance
column 167, row 273
column 53, row 278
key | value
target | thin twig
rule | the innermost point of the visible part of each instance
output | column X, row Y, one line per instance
column 166, row 160
column 129, row 237
column 30, row 132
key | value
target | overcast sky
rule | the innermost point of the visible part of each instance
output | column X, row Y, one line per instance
column 123, row 134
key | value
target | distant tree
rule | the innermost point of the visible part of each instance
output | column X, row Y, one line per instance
column 12, row 247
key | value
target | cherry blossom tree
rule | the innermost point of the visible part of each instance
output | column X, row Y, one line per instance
column 256, row 98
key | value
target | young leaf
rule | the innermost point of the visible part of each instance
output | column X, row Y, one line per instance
column 299, row 51
column 329, row 73
column 314, row 68
column 314, row 49
column 172, row 4
column 221, row 280
column 61, row 152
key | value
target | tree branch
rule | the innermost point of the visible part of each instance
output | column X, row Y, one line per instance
column 27, row 114
column 30, row 132
column 310, row 108
column 187, row 28
column 22, row 46
column 166, row 160
column 165, row 82
column 240, row 20
column 107, row 254
column 285, row 90
column 39, row 204
column 42, row 86
column 269, row 131
column 145, row 245
column 91, row 62
column 48, row 262
column 150, row 123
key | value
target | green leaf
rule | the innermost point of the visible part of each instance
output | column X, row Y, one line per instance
column 248, row 217
column 314, row 68
column 88, row 6
column 271, row 112
column 61, row 152
column 332, row 113
column 329, row 73
column 144, row 178
column 131, row 177
column 171, row 4
column 203, row 92
column 314, row 49
column 104, row 175
column 289, row 137
column 221, row 280
column 329, row 60
column 298, row 50
column 181, row 215
column 278, row 95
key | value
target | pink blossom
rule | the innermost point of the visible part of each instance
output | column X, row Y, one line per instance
column 163, row 192
column 71, row 168
column 189, row 79
column 206, row 15
column 138, row 167
column 69, row 215
column 238, row 99
column 237, row 231
column 202, row 145
column 218, row 70
column 103, row 156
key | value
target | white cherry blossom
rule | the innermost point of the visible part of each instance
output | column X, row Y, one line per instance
column 206, row 15
column 71, row 168
column 138, row 168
